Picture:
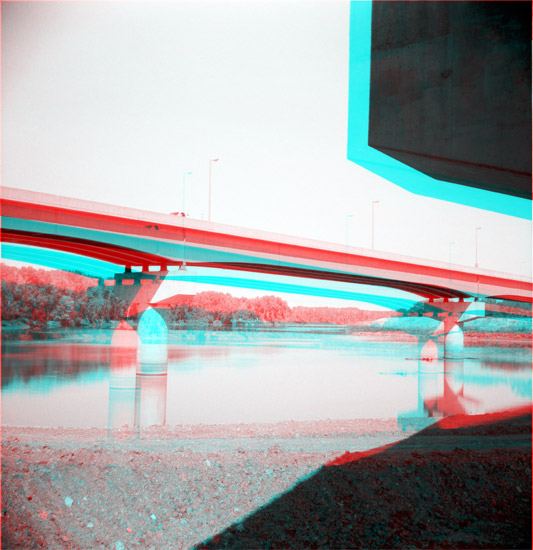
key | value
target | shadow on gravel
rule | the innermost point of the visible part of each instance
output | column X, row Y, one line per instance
column 452, row 485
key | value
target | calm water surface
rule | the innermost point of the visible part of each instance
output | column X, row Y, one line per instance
column 232, row 377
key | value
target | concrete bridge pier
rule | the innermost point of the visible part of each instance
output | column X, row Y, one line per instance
column 152, row 369
column 452, row 314
column 453, row 339
column 137, row 288
column 138, row 375
column 453, row 345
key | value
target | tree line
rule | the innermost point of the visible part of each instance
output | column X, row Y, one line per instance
column 36, row 305
column 37, row 297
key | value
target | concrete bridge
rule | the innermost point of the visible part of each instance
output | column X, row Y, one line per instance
column 131, row 237
column 139, row 239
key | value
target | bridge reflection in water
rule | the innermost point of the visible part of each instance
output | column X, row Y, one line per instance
column 441, row 390
column 138, row 378
column 446, row 389
column 139, row 375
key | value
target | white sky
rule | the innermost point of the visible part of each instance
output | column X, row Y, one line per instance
column 113, row 102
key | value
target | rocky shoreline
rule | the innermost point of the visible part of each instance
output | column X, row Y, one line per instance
column 329, row 484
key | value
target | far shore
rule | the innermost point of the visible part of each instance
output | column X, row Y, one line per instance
column 365, row 332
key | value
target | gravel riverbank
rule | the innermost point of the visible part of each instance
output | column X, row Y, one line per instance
column 220, row 486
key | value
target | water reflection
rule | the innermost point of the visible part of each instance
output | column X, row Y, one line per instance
column 139, row 380
column 443, row 392
column 123, row 387
column 23, row 362
column 451, row 387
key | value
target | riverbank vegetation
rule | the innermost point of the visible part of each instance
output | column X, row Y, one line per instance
column 38, row 299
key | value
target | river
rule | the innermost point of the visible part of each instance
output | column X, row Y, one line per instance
column 208, row 377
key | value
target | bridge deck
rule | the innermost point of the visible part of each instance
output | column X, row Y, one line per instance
column 132, row 237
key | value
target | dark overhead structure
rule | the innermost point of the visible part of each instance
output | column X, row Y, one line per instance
column 450, row 91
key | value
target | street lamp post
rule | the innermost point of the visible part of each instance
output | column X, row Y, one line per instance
column 184, row 263
column 348, row 216
column 477, row 229
column 185, row 174
column 373, row 203
column 209, row 210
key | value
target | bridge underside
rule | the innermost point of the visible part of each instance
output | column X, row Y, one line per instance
column 133, row 258
column 115, row 236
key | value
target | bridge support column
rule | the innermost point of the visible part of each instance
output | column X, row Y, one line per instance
column 453, row 339
column 138, row 377
column 452, row 315
column 138, row 369
column 140, row 291
column 152, row 368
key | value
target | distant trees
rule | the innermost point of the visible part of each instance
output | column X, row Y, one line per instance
column 218, row 305
column 335, row 315
column 270, row 308
column 218, row 302
column 57, row 278
column 37, row 297
column 37, row 304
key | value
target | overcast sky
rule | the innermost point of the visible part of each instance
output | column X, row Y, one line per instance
column 113, row 102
